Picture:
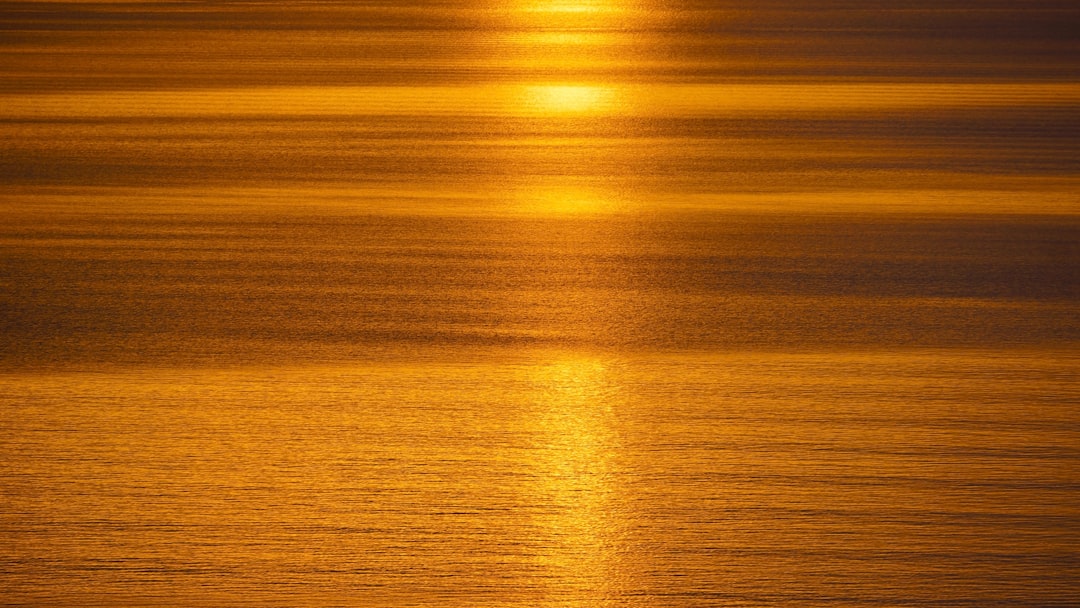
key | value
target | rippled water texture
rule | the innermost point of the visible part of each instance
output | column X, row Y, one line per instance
column 545, row 304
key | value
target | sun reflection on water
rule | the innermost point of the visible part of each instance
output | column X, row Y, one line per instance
column 582, row 7
column 576, row 474
column 563, row 99
column 550, row 198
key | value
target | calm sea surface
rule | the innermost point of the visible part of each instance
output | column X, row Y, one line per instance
column 552, row 304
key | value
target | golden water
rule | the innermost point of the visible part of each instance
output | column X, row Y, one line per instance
column 539, row 304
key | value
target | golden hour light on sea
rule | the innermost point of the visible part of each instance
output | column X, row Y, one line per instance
column 570, row 16
column 576, row 400
column 568, row 7
column 552, row 97
column 565, row 99
column 539, row 303
column 550, row 13
column 541, row 195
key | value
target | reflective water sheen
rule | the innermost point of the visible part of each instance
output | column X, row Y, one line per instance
column 597, row 303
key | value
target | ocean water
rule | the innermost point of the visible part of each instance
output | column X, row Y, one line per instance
column 539, row 304
column 548, row 478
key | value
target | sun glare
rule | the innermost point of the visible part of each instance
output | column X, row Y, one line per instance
column 574, row 425
column 568, row 7
column 583, row 14
column 570, row 99
column 538, row 197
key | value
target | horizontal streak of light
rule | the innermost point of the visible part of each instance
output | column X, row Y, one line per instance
column 522, row 100
column 1057, row 196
